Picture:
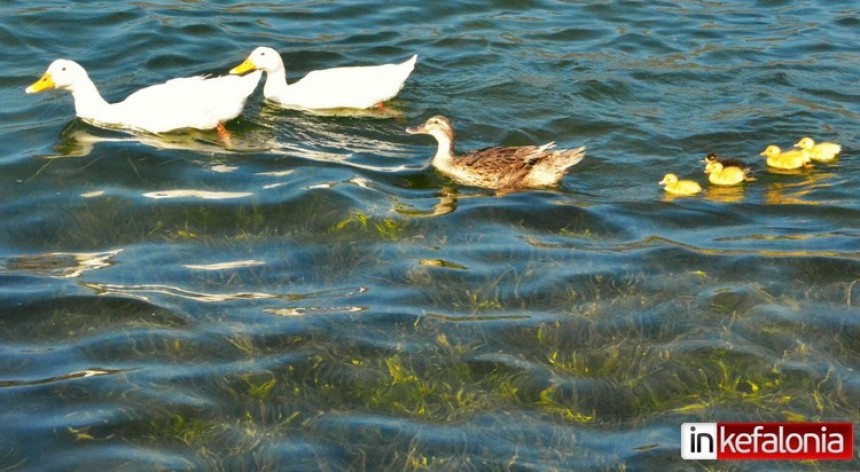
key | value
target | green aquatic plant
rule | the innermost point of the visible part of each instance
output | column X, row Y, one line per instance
column 386, row 228
column 424, row 395
column 390, row 229
column 356, row 219
column 80, row 434
column 261, row 389
column 549, row 404
column 178, row 427
column 481, row 302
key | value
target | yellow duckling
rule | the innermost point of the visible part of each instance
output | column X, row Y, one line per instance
column 788, row 160
column 821, row 152
column 722, row 174
column 673, row 186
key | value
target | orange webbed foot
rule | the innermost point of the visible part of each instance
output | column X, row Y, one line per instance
column 224, row 135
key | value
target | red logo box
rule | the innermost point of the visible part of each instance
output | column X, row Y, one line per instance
column 767, row 441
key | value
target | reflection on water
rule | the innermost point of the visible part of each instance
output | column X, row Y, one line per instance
column 797, row 192
column 143, row 292
column 390, row 110
column 441, row 263
column 725, row 194
column 225, row 265
column 60, row 378
column 79, row 139
column 202, row 194
column 444, row 204
column 61, row 264
column 314, row 310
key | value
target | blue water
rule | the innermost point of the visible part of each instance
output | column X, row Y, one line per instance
column 318, row 298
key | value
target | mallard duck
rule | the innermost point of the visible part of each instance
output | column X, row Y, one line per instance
column 342, row 87
column 504, row 168
column 726, row 171
column 788, row 160
column 672, row 185
column 821, row 152
column 191, row 102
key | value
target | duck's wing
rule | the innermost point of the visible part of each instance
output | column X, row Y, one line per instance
column 188, row 102
column 196, row 90
column 513, row 157
column 507, row 165
column 352, row 87
column 733, row 163
column 828, row 149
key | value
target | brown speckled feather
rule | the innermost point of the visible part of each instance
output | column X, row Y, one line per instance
column 504, row 165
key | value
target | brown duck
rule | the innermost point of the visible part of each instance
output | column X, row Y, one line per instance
column 502, row 168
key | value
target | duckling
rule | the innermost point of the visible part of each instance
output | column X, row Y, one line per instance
column 722, row 174
column 673, row 186
column 501, row 168
column 821, row 152
column 788, row 160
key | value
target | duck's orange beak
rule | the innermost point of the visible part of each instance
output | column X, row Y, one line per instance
column 244, row 67
column 45, row 83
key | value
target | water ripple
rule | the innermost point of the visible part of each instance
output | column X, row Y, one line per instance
column 317, row 297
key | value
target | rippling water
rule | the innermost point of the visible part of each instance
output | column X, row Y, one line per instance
column 318, row 299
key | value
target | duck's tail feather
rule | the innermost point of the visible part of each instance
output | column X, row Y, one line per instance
column 552, row 168
column 566, row 158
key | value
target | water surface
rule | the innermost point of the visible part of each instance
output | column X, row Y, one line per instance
column 318, row 299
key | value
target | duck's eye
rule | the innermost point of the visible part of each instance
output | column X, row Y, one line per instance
column 63, row 69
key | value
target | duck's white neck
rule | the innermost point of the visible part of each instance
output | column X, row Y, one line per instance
column 276, row 83
column 89, row 103
column 445, row 151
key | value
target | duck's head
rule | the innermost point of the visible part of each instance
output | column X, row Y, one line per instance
column 62, row 74
column 713, row 167
column 437, row 126
column 668, row 179
column 263, row 58
column 711, row 157
column 771, row 151
column 805, row 143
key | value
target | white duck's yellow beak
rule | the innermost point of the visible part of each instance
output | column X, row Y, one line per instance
column 45, row 83
column 416, row 129
column 244, row 67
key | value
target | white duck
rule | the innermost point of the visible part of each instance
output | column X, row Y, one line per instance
column 192, row 102
column 342, row 87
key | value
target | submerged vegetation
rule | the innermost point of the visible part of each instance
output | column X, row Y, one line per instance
column 528, row 334
column 358, row 222
column 607, row 364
